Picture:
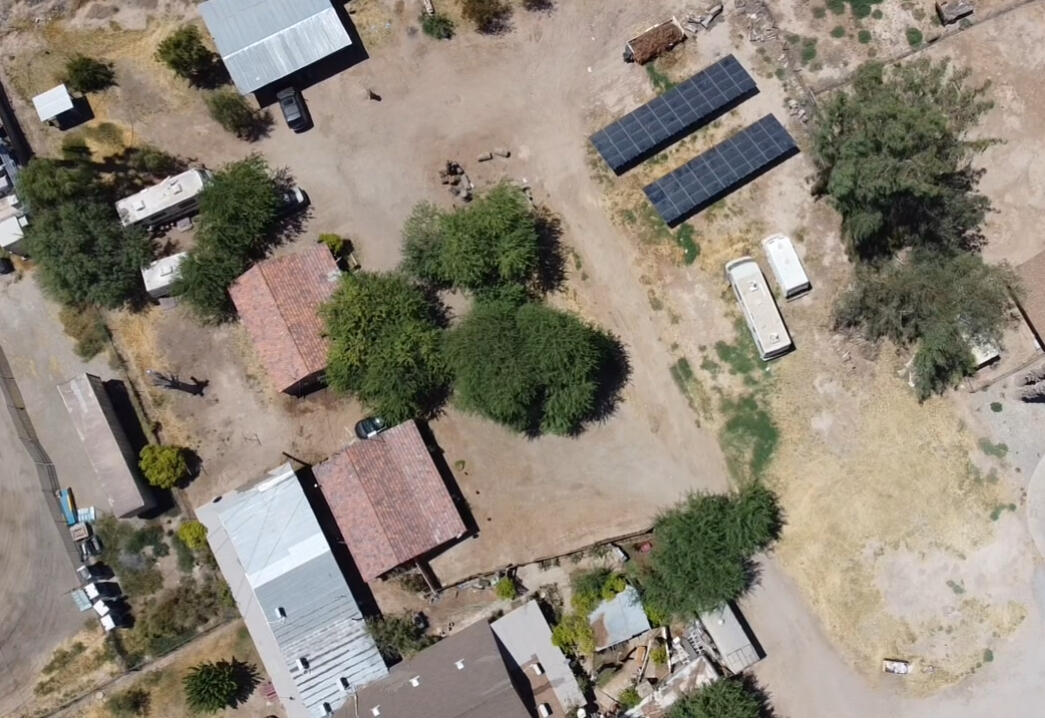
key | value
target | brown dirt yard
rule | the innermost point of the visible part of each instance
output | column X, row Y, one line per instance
column 890, row 548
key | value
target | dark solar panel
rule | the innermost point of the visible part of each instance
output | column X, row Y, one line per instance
column 674, row 114
column 720, row 170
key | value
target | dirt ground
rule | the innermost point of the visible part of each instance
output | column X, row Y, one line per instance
column 893, row 546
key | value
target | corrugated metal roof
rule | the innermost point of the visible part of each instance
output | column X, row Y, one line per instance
column 292, row 595
column 526, row 636
column 729, row 637
column 619, row 619
column 262, row 41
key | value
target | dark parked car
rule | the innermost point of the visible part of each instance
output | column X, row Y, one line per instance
column 370, row 427
column 292, row 199
column 295, row 113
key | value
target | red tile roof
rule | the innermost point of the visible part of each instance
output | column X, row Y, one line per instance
column 388, row 499
column 278, row 301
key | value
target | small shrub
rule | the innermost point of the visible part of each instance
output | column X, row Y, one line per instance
column 819, row 12
column 537, row 5
column 996, row 406
column 184, row 53
column 876, row 14
column 629, row 698
column 659, row 655
column 62, row 658
column 505, row 589
column 914, row 37
column 864, row 36
column 334, row 242
column 808, row 50
column 836, row 6
column 488, row 16
column 193, row 534
column 437, row 26
column 131, row 703
column 210, row 686
column 398, row 636
column 164, row 466
column 235, row 115
column 613, row 586
column 86, row 327
column 86, row 75
column 185, row 558
column 838, row 31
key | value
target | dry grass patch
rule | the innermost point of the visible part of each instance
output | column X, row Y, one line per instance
column 77, row 666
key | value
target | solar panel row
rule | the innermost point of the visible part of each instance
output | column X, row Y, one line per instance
column 720, row 170
column 673, row 115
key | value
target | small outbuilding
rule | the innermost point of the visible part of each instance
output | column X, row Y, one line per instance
column 619, row 619
column 54, row 105
column 109, row 450
column 389, row 500
column 278, row 301
column 1031, row 300
column 12, row 229
column 264, row 41
column 735, row 648
column 786, row 266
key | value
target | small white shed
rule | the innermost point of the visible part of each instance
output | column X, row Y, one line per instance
column 53, row 103
column 786, row 266
column 160, row 275
column 12, row 234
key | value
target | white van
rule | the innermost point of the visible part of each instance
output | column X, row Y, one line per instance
column 786, row 266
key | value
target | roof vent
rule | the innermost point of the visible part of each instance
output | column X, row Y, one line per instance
column 345, row 684
column 459, row 664
column 415, row 680
column 375, row 711
column 303, row 664
column 537, row 669
column 327, row 710
column 281, row 614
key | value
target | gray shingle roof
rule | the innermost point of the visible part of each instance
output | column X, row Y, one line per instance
column 292, row 595
column 262, row 41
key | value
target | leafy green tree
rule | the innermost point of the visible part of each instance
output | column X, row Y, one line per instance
column 894, row 157
column 184, row 53
column 938, row 302
column 210, row 686
column 86, row 75
column 385, row 346
column 437, row 25
column 586, row 587
column 85, row 256
column 488, row 16
column 235, row 115
column 398, row 636
column 47, row 183
column 490, row 244
column 164, row 466
column 506, row 589
column 702, row 547
column 629, row 698
column 529, row 367
column 574, row 635
column 727, row 698
column 193, row 534
column 238, row 214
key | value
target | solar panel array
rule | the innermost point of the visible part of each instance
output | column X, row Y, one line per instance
column 676, row 113
column 720, row 170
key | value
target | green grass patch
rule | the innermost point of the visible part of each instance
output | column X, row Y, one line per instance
column 864, row 36
column 749, row 437
column 105, row 133
column 711, row 366
column 808, row 52
column 780, row 73
column 998, row 450
column 741, row 356
column 1001, row 508
column 690, row 386
column 658, row 79
column 914, row 37
column 684, row 236
column 996, row 407
column 838, row 31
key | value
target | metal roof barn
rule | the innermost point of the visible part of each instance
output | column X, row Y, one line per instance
column 300, row 612
column 262, row 41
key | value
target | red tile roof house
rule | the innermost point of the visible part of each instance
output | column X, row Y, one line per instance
column 388, row 499
column 278, row 302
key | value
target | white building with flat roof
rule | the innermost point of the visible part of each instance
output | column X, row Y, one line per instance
column 53, row 103
column 760, row 311
column 786, row 266
column 173, row 198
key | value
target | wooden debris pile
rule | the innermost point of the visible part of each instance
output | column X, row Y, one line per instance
column 695, row 23
column 454, row 176
column 659, row 39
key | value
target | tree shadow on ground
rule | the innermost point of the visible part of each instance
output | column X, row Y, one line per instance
column 613, row 375
column 551, row 264
column 247, row 678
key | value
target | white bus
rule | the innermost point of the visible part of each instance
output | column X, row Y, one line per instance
column 786, row 266
column 760, row 311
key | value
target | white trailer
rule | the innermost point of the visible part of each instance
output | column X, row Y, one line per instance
column 760, row 311
column 786, row 266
